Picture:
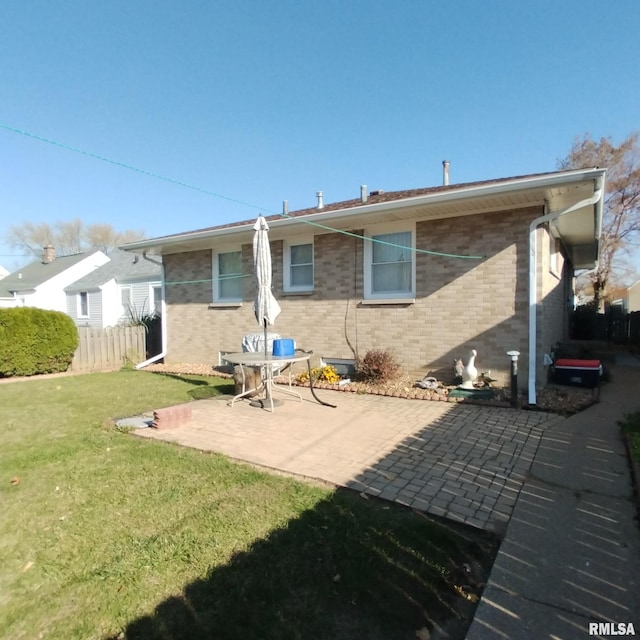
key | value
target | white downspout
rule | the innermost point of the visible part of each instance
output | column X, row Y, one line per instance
column 163, row 315
column 533, row 279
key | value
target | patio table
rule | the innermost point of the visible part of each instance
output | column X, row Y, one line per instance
column 266, row 362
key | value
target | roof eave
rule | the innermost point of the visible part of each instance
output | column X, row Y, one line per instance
column 461, row 193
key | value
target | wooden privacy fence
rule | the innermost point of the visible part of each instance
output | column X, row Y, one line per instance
column 104, row 349
column 613, row 326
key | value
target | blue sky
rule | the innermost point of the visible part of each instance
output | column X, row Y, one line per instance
column 269, row 101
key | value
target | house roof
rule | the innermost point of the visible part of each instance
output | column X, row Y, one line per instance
column 556, row 191
column 122, row 266
column 36, row 273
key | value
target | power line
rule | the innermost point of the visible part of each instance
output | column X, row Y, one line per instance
column 152, row 174
column 124, row 165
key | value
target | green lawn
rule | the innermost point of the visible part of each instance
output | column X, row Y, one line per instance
column 105, row 535
column 630, row 426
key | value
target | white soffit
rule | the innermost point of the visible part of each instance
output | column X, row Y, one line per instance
column 557, row 191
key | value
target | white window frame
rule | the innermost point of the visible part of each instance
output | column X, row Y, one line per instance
column 155, row 305
column 124, row 311
column 216, row 275
column 383, row 229
column 286, row 271
column 80, row 294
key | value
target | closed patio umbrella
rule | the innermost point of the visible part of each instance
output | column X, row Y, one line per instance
column 266, row 307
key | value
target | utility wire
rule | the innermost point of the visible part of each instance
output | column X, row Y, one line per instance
column 124, row 165
column 384, row 242
column 219, row 195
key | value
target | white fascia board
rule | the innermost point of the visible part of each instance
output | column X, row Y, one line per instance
column 462, row 193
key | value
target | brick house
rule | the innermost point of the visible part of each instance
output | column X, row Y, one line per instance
column 486, row 265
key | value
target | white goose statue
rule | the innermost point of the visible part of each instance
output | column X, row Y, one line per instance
column 470, row 373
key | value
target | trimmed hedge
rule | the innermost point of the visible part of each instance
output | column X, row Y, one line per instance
column 35, row 341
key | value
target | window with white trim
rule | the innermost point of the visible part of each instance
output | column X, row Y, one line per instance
column 298, row 265
column 156, row 298
column 126, row 301
column 227, row 276
column 389, row 263
column 83, row 304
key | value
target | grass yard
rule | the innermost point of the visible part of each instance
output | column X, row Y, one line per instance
column 630, row 426
column 105, row 535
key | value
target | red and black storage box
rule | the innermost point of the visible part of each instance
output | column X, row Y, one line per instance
column 579, row 373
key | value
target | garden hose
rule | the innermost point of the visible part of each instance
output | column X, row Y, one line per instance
column 313, row 391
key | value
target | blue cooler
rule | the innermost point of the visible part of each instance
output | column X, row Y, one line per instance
column 284, row 347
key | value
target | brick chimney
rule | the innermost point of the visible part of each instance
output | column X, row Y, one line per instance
column 48, row 254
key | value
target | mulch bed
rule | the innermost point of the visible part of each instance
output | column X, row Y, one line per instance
column 554, row 398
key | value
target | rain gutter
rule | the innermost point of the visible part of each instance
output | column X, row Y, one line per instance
column 163, row 318
column 595, row 199
column 453, row 194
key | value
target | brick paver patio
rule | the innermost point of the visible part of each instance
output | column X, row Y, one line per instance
column 461, row 461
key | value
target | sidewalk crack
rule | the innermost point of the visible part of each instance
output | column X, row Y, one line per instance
column 544, row 603
column 576, row 490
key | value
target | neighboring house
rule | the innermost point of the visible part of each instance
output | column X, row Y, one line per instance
column 342, row 294
column 3, row 272
column 126, row 287
column 41, row 283
column 633, row 297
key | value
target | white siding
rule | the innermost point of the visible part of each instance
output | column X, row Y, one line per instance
column 110, row 304
column 141, row 299
column 95, row 309
column 51, row 294
column 8, row 302
column 72, row 306
column 633, row 293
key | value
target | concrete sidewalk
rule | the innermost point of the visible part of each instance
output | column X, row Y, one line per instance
column 571, row 553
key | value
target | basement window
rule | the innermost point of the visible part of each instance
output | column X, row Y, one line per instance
column 343, row 366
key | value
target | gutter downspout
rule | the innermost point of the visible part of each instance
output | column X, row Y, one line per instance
column 533, row 279
column 163, row 315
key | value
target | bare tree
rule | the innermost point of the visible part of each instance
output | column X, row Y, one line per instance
column 68, row 237
column 28, row 236
column 106, row 238
column 621, row 217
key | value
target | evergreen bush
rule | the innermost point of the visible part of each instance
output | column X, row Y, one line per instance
column 35, row 341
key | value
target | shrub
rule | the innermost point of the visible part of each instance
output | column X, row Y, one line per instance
column 377, row 366
column 137, row 317
column 152, row 323
column 35, row 341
